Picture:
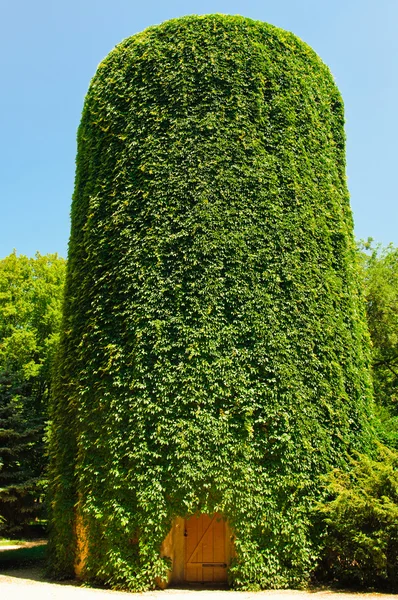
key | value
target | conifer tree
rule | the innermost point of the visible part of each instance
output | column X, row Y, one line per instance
column 22, row 465
column 30, row 304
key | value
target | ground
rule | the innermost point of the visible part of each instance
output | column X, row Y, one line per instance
column 29, row 583
column 18, row 584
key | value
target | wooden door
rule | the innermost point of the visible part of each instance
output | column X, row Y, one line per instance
column 205, row 549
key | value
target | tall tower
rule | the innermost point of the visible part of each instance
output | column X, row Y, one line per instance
column 214, row 357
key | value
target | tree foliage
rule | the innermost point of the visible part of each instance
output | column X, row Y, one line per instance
column 30, row 309
column 381, row 291
column 214, row 353
column 380, row 275
column 361, row 513
column 361, row 545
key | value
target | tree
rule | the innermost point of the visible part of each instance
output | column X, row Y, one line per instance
column 361, row 514
column 30, row 306
column 380, row 271
column 214, row 354
column 361, row 508
column 381, row 292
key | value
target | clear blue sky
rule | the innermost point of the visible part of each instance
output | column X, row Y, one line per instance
column 50, row 51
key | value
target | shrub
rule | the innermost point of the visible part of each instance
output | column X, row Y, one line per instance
column 361, row 514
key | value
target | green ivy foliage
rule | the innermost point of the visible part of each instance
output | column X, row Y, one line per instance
column 214, row 354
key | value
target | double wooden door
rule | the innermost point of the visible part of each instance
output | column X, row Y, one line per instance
column 205, row 549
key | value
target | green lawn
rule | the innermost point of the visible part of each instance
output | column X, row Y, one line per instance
column 6, row 542
column 22, row 556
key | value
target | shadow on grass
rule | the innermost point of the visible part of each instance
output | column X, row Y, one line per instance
column 20, row 557
column 27, row 563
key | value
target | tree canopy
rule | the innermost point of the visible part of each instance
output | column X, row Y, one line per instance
column 381, row 291
column 31, row 291
column 361, row 508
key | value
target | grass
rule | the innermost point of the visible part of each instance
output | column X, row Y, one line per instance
column 7, row 542
column 22, row 557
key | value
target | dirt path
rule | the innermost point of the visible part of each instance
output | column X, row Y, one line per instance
column 19, row 545
column 23, row 583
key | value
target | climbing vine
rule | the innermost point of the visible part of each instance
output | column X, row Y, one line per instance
column 214, row 355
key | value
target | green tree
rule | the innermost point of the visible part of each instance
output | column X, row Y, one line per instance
column 380, row 270
column 361, row 515
column 30, row 305
column 361, row 510
column 381, row 291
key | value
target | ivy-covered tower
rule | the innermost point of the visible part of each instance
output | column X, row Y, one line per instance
column 214, row 356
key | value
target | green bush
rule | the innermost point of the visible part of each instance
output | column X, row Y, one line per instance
column 214, row 355
column 361, row 514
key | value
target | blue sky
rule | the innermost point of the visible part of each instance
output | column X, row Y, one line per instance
column 50, row 50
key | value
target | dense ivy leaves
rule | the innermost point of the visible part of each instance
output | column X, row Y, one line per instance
column 214, row 355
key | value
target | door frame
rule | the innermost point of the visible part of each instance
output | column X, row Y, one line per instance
column 173, row 547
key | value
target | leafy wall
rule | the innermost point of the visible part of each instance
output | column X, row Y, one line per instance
column 214, row 354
